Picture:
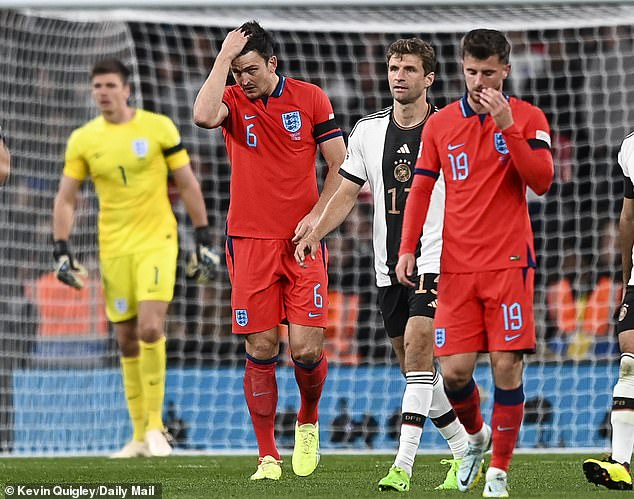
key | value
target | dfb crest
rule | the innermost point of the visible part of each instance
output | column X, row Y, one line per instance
column 141, row 147
column 623, row 312
column 500, row 143
column 440, row 336
column 292, row 121
column 242, row 318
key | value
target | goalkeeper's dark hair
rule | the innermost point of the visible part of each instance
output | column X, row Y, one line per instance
column 110, row 66
column 260, row 40
column 414, row 46
column 484, row 43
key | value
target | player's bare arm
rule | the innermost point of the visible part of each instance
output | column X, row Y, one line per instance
column 495, row 103
column 202, row 263
column 209, row 110
column 67, row 269
column 334, row 152
column 5, row 162
column 333, row 216
column 626, row 233
column 189, row 190
column 405, row 268
column 64, row 207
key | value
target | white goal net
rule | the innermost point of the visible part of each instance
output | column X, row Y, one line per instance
column 60, row 387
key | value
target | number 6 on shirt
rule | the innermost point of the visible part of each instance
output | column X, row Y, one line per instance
column 252, row 139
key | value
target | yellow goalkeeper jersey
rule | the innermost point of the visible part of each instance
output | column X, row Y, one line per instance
column 129, row 164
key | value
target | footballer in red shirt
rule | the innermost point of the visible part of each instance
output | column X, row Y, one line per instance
column 490, row 147
column 272, row 127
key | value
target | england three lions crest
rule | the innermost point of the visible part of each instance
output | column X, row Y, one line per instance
column 440, row 336
column 500, row 143
column 292, row 121
column 242, row 317
column 141, row 147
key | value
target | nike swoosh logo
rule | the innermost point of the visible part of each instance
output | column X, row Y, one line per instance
column 511, row 338
column 259, row 394
column 505, row 428
column 312, row 315
column 465, row 482
column 250, row 117
column 451, row 147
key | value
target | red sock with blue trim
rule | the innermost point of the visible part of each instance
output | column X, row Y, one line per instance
column 310, row 380
column 508, row 412
column 466, row 404
column 260, row 391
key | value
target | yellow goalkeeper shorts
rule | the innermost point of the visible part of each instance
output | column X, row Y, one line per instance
column 146, row 276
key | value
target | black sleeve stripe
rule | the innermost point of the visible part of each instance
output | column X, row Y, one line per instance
column 173, row 150
column 325, row 138
column 538, row 144
column 628, row 190
column 228, row 109
column 325, row 127
column 429, row 173
column 226, row 120
column 351, row 177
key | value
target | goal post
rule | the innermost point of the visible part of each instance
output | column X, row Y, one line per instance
column 60, row 388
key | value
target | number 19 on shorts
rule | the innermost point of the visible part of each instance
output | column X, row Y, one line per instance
column 512, row 316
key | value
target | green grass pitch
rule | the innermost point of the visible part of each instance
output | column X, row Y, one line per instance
column 338, row 476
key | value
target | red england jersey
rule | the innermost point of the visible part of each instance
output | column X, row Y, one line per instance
column 272, row 145
column 486, row 172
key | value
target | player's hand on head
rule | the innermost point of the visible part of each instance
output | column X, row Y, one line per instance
column 234, row 43
column 67, row 269
column 203, row 264
column 497, row 106
column 405, row 268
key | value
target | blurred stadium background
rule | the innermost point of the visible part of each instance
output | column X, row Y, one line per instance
column 60, row 388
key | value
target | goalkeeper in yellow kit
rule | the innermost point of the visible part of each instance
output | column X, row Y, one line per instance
column 128, row 153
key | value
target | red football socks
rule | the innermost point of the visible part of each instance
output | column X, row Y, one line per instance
column 508, row 411
column 466, row 404
column 260, row 390
column 310, row 380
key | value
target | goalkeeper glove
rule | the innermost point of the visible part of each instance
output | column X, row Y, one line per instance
column 204, row 262
column 67, row 269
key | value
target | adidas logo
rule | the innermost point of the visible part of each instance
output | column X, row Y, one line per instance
column 404, row 149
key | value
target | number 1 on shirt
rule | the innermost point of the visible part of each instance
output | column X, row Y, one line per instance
column 125, row 179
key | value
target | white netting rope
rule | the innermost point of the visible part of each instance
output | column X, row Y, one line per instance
column 574, row 62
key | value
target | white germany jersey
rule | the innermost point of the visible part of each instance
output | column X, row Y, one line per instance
column 626, row 160
column 383, row 154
